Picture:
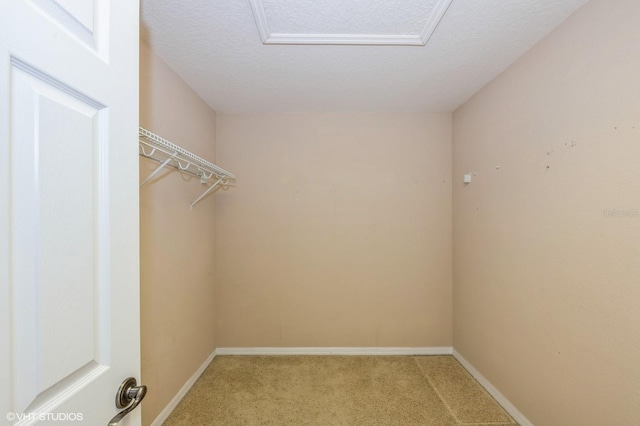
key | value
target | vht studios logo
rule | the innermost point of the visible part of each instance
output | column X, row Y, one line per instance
column 52, row 417
column 621, row 213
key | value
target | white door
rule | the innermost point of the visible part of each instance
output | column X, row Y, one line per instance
column 69, row 304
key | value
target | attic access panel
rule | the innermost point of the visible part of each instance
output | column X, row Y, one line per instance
column 351, row 22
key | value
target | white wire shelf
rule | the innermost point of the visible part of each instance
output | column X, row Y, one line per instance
column 169, row 154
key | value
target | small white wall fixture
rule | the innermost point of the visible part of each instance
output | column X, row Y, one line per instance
column 421, row 39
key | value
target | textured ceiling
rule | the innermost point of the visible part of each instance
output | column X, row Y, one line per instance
column 215, row 46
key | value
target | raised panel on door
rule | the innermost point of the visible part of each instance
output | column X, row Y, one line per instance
column 84, row 19
column 58, row 324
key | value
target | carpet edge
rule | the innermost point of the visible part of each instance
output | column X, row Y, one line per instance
column 168, row 409
column 507, row 405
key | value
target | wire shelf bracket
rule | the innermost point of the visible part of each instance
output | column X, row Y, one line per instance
column 169, row 154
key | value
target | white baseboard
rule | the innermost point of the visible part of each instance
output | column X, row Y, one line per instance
column 495, row 393
column 444, row 350
column 164, row 414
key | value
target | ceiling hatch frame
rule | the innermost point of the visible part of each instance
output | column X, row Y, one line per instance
column 421, row 39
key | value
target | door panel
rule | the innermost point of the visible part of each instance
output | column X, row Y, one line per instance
column 82, row 11
column 55, row 245
column 78, row 17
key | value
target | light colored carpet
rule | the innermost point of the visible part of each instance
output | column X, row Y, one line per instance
column 337, row 390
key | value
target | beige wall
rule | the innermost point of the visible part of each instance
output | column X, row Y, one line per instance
column 338, row 232
column 177, row 244
column 546, row 281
